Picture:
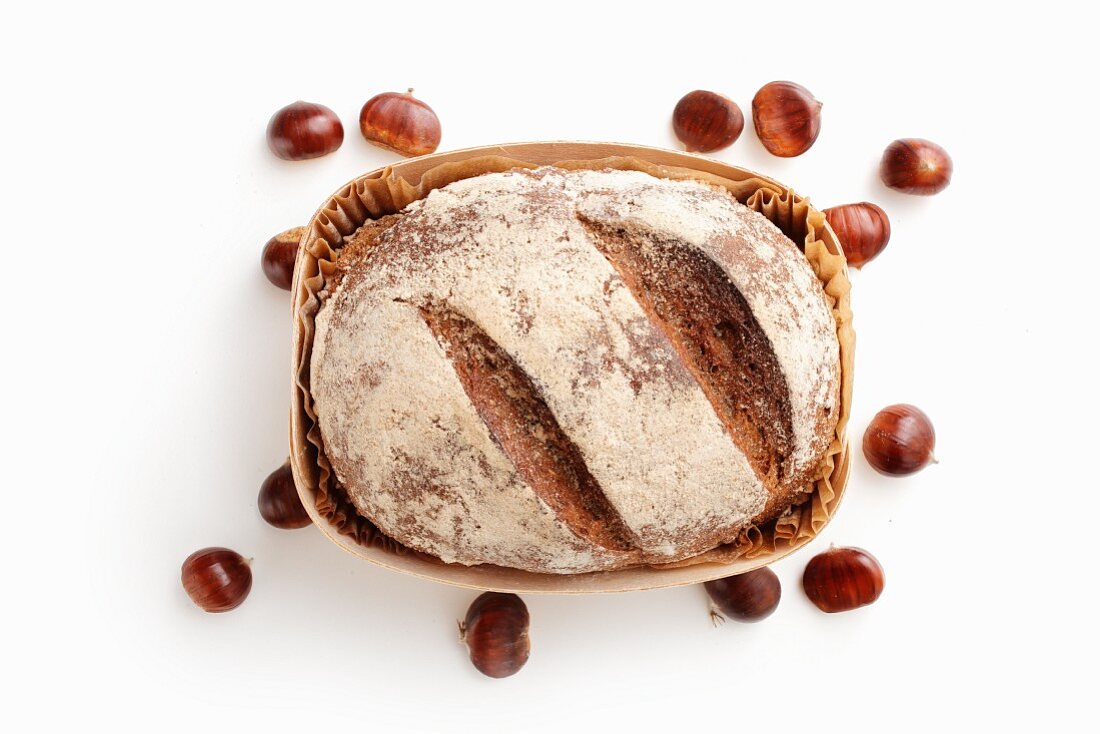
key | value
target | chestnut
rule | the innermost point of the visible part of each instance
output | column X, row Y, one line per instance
column 842, row 579
column 304, row 130
column 706, row 121
column 495, row 632
column 915, row 166
column 899, row 440
column 746, row 597
column 279, row 502
column 863, row 230
column 787, row 118
column 400, row 122
column 216, row 579
column 278, row 256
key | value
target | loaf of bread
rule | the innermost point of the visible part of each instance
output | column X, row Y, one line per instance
column 571, row 371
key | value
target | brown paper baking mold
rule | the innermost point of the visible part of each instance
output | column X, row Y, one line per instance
column 387, row 191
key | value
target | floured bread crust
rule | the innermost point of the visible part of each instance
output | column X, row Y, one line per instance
column 519, row 370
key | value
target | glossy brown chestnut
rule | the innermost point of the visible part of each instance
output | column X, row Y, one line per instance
column 495, row 632
column 706, row 121
column 915, row 166
column 279, row 502
column 900, row 440
column 842, row 579
column 216, row 579
column 278, row 257
column 747, row 597
column 304, row 130
column 863, row 230
column 787, row 118
column 400, row 122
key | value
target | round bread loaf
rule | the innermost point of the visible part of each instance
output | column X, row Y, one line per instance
column 570, row 371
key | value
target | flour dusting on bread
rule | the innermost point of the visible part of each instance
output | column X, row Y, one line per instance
column 516, row 255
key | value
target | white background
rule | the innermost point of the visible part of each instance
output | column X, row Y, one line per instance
column 146, row 360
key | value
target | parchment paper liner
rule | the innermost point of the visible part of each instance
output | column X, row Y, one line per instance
column 375, row 195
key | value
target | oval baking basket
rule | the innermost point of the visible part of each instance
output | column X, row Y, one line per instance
column 310, row 470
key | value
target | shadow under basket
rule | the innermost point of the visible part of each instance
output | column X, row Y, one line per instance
column 389, row 189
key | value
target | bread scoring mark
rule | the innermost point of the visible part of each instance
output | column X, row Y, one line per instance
column 521, row 423
column 715, row 334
